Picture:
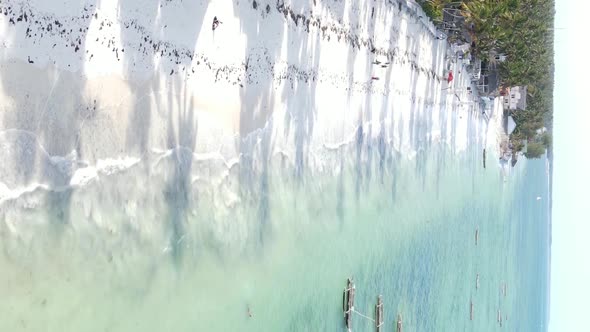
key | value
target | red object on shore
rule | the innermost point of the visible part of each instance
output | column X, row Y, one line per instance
column 450, row 78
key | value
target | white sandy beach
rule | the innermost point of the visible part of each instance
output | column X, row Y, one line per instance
column 86, row 83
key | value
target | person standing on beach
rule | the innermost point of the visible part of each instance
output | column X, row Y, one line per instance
column 216, row 23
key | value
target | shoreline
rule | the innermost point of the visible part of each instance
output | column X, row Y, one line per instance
column 267, row 104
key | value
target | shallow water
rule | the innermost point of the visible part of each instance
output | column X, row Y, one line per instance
column 154, row 247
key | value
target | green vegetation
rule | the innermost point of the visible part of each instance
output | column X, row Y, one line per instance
column 522, row 30
column 534, row 150
column 434, row 8
column 547, row 139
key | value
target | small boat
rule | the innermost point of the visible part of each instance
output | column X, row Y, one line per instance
column 348, row 303
column 379, row 314
column 477, row 281
column 399, row 323
column 470, row 310
column 476, row 236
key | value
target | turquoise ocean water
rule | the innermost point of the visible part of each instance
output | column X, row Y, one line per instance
column 150, row 249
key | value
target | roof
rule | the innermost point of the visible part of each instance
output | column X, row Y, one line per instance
column 510, row 125
column 493, row 80
column 488, row 82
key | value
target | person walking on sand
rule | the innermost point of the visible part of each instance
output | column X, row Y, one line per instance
column 216, row 23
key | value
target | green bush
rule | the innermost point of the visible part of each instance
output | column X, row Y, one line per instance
column 534, row 150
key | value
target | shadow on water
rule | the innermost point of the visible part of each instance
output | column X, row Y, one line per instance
column 178, row 191
column 49, row 106
column 164, row 96
column 385, row 139
column 167, row 93
column 258, row 96
column 375, row 59
column 396, row 157
column 382, row 150
column 441, row 159
column 359, row 139
column 63, row 113
column 301, row 112
column 340, row 191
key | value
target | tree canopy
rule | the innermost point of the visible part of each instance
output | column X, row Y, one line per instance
column 522, row 30
column 535, row 150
